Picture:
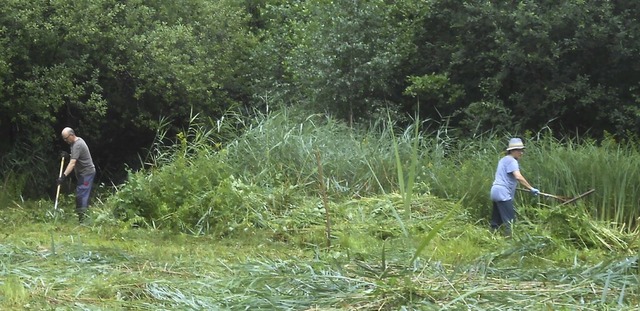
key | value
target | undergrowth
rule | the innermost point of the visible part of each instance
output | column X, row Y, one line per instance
column 243, row 226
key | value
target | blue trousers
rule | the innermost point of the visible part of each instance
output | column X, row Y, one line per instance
column 503, row 213
column 83, row 192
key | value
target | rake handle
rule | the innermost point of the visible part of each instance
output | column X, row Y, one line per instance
column 553, row 196
column 549, row 195
column 59, row 175
column 578, row 197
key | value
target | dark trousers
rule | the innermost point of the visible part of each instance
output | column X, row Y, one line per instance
column 503, row 214
column 83, row 192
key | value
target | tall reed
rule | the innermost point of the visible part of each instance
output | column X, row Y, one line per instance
column 570, row 167
column 278, row 151
column 566, row 167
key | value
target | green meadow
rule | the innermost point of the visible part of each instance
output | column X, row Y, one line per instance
column 303, row 212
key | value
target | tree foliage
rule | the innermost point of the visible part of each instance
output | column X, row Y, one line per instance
column 537, row 62
column 112, row 69
column 346, row 45
column 483, row 65
column 565, row 64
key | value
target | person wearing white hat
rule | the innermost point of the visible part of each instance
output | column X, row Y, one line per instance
column 504, row 186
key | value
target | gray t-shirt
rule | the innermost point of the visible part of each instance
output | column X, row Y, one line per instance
column 84, row 163
column 504, row 184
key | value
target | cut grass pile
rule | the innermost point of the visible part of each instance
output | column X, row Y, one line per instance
column 54, row 264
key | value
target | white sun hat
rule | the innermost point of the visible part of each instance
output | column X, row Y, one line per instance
column 515, row 143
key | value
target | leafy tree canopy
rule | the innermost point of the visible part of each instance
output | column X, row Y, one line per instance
column 113, row 69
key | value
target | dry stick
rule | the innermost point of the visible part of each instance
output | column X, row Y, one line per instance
column 325, row 201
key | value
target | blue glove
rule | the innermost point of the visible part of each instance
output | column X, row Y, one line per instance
column 534, row 191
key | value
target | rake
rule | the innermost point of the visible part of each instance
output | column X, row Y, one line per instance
column 55, row 207
column 563, row 199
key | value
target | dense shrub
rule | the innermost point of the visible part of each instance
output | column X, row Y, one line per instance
column 185, row 195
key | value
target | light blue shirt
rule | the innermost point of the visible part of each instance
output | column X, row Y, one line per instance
column 504, row 184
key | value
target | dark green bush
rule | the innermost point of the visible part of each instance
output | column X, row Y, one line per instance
column 192, row 196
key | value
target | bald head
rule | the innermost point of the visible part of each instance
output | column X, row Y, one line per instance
column 68, row 135
column 67, row 131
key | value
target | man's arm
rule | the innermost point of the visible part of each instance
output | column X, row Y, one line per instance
column 69, row 169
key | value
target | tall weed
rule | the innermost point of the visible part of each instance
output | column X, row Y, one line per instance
column 13, row 292
column 406, row 187
column 277, row 153
column 566, row 167
column 26, row 170
column 570, row 167
column 279, row 149
column 187, row 186
column 11, row 188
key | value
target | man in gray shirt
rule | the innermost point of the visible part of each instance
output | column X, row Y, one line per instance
column 85, row 171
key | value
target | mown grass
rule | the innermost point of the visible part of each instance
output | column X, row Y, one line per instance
column 243, row 227
column 54, row 263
